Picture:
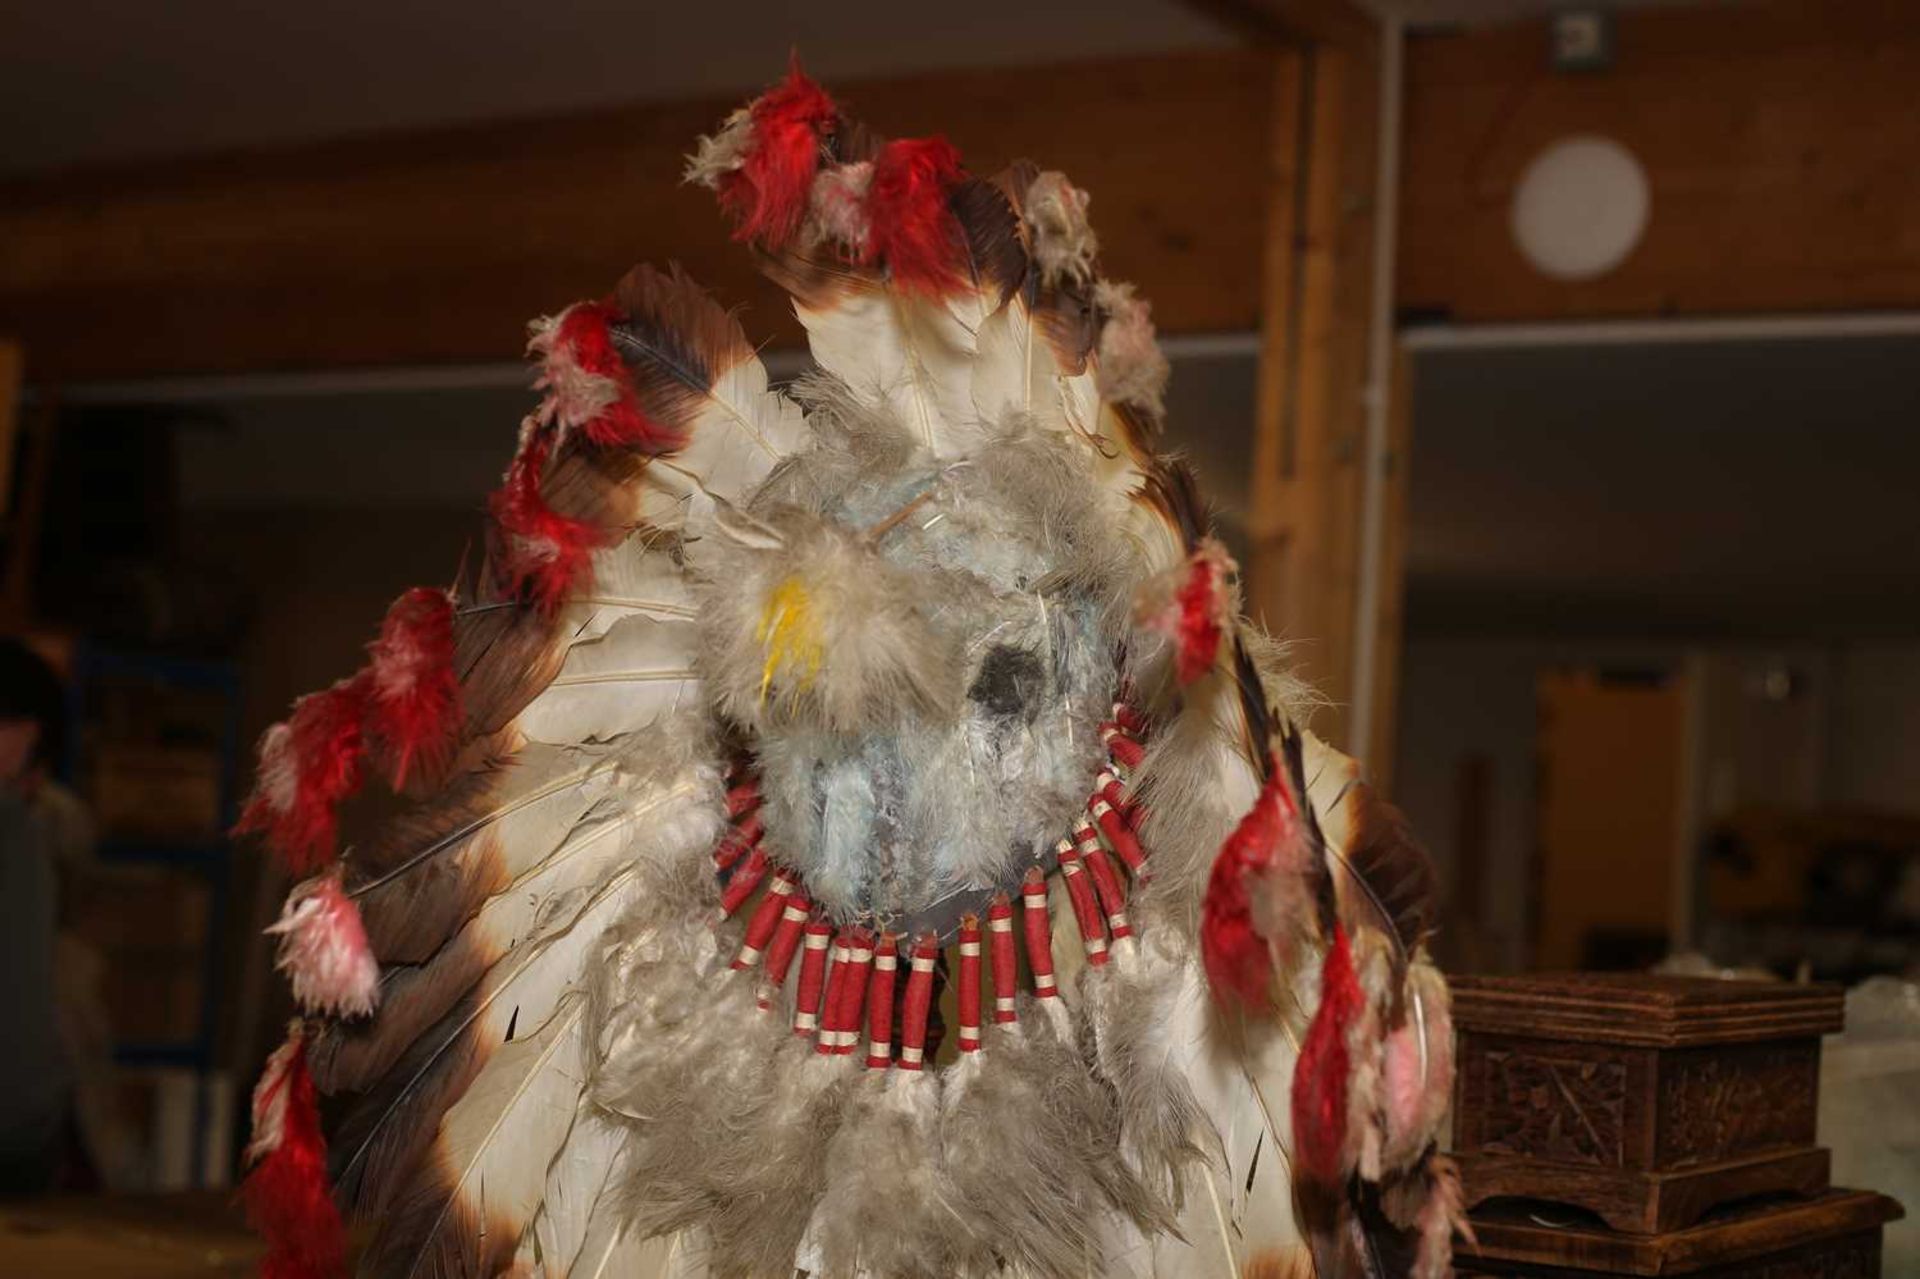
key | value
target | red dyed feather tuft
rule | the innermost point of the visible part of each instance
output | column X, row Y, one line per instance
column 588, row 385
column 547, row 553
column 767, row 195
column 414, row 706
column 324, row 950
column 288, row 1199
column 1237, row 958
column 912, row 227
column 308, row 765
column 1321, row 1076
column 1192, row 605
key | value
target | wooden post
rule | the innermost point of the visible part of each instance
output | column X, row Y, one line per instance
column 1304, row 569
column 26, row 458
column 1390, row 613
column 12, row 375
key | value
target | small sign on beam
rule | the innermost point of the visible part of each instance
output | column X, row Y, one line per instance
column 1582, row 40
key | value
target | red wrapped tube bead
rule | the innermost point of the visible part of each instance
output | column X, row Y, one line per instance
column 969, row 993
column 746, row 877
column 813, row 972
column 743, row 797
column 919, row 1001
column 886, row 962
column 742, row 837
column 1121, row 746
column 1108, row 787
column 1038, row 926
column 766, row 918
column 1119, row 837
column 832, row 1002
column 1107, row 886
column 1086, row 912
column 786, row 943
column 853, row 992
column 1000, row 950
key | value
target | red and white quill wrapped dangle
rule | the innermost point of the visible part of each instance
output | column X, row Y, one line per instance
column 288, row 1198
column 324, row 950
column 413, row 704
column 308, row 765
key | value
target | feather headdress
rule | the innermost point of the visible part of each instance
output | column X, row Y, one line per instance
column 770, row 714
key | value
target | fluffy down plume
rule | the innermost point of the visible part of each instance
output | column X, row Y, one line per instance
column 1133, row 368
column 287, row 1196
column 1064, row 244
column 996, row 1117
column 839, row 206
column 1321, row 1076
column 763, row 166
column 588, row 388
column 822, row 629
column 1443, row 1215
column 1417, row 1068
column 1131, row 1003
column 884, row 1210
column 911, row 224
column 1238, row 933
column 546, row 554
column 413, row 708
column 308, row 765
column 324, row 951
column 1193, row 606
column 717, row 156
column 1430, row 1201
column 1366, row 1036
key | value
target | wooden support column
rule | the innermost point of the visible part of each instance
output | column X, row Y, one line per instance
column 1303, row 577
column 1389, row 613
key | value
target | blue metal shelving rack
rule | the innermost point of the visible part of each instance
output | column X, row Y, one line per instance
column 210, row 860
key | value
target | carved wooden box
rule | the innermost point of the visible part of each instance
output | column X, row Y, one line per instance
column 1836, row 1235
column 1646, row 1100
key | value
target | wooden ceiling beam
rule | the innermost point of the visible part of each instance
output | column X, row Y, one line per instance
column 1294, row 22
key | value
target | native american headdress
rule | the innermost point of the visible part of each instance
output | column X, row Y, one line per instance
column 780, row 729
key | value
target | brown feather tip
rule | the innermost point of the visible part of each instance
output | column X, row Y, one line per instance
column 1279, row 1263
column 996, row 259
column 1391, row 872
column 676, row 341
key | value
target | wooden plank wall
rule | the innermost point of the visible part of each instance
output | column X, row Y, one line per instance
column 438, row 247
column 1779, row 141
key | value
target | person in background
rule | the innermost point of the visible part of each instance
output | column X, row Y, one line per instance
column 44, row 837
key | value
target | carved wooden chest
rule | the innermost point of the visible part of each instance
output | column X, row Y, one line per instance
column 1646, row 1100
column 1834, row 1235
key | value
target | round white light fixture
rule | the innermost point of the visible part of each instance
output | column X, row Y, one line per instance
column 1580, row 208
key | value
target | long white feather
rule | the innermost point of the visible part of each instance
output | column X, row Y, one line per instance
column 576, row 1181
column 525, row 987
column 611, row 1252
column 741, row 434
column 1016, row 371
column 496, row 1142
column 629, row 679
column 628, row 579
column 908, row 358
column 536, row 798
column 1245, row 1207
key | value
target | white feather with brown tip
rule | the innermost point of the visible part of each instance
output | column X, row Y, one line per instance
column 636, row 674
column 489, row 1170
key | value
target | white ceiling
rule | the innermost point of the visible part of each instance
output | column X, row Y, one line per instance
column 89, row 82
